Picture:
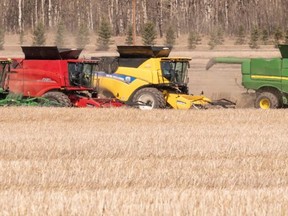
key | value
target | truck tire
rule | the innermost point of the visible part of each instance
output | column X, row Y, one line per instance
column 151, row 98
column 58, row 99
column 267, row 100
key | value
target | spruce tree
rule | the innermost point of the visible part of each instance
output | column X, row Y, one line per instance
column 278, row 36
column 39, row 35
column 170, row 36
column 2, row 38
column 240, row 36
column 59, row 40
column 82, row 38
column 193, row 40
column 213, row 40
column 220, row 36
column 149, row 34
column 129, row 38
column 265, row 37
column 104, row 35
column 254, row 37
column 216, row 38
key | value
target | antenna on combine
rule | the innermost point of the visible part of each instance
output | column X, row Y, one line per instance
column 134, row 21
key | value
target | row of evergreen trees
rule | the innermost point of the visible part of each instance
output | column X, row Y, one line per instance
column 82, row 37
column 256, row 38
column 149, row 36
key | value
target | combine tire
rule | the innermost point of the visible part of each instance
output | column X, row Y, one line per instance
column 267, row 100
column 149, row 98
column 58, row 99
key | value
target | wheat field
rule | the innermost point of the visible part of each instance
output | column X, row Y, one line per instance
column 57, row 161
column 60, row 161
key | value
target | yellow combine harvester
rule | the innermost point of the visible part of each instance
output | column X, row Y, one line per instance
column 146, row 77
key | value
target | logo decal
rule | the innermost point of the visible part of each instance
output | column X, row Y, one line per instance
column 120, row 77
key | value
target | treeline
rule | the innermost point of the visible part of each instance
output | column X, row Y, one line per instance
column 184, row 16
column 251, row 22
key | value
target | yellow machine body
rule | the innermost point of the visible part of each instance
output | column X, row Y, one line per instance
column 126, row 80
column 134, row 74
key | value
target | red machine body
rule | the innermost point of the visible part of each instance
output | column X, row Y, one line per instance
column 47, row 69
column 36, row 77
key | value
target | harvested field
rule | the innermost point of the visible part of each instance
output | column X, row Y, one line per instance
column 57, row 161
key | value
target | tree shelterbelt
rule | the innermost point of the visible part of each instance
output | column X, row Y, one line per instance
column 183, row 15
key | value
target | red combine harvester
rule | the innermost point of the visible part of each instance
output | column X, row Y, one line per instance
column 55, row 74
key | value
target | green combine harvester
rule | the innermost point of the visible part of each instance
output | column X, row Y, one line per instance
column 267, row 77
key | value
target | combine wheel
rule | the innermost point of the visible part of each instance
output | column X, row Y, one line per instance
column 58, row 98
column 151, row 98
column 267, row 100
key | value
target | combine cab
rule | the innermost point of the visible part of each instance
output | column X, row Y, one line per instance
column 147, row 77
column 57, row 75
